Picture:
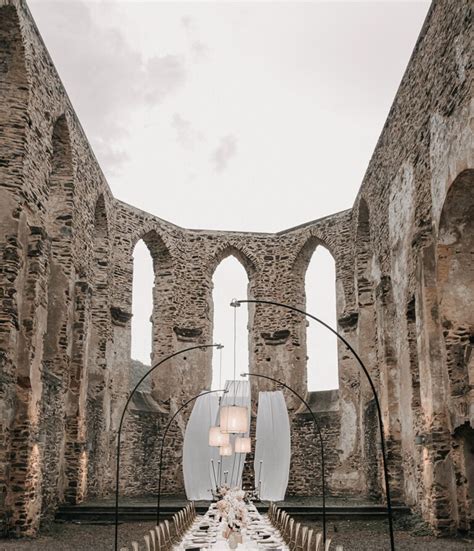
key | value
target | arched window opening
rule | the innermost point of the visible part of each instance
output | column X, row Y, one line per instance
column 142, row 309
column 320, row 284
column 229, row 281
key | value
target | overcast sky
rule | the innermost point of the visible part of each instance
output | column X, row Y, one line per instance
column 250, row 116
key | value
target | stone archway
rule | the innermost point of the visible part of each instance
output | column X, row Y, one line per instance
column 56, row 361
column 455, row 266
column 163, row 334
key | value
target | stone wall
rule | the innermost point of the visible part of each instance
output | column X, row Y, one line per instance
column 403, row 257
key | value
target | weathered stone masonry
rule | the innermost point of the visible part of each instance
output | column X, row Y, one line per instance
column 404, row 283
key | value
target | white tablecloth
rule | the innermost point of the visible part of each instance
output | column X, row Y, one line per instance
column 259, row 534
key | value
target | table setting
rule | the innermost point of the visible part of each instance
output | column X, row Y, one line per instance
column 232, row 523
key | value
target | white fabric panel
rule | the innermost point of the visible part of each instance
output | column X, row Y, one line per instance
column 198, row 477
column 239, row 393
column 273, row 446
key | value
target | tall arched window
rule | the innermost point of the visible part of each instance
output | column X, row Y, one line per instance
column 229, row 281
column 320, row 284
column 142, row 308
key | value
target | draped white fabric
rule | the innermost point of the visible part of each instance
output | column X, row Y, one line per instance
column 231, row 467
column 197, row 471
column 273, row 446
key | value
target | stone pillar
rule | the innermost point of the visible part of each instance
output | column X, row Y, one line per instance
column 277, row 335
column 75, row 454
column 23, row 500
column 389, row 384
column 12, row 253
column 439, row 486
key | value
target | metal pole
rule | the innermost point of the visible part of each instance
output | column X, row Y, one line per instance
column 236, row 303
column 119, row 433
column 258, row 485
column 318, row 429
column 165, row 432
column 214, row 472
column 233, row 468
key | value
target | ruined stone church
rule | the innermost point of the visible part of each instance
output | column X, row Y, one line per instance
column 405, row 301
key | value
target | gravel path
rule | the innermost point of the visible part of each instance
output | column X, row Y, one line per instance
column 354, row 536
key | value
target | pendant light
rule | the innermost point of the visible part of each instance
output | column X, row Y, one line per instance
column 218, row 438
column 243, row 444
column 226, row 450
column 234, row 419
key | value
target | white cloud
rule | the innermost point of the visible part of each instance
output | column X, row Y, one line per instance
column 186, row 135
column 163, row 76
column 198, row 49
column 226, row 149
column 107, row 77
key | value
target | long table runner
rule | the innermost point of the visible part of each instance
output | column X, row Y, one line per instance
column 207, row 533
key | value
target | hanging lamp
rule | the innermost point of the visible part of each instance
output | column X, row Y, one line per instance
column 243, row 444
column 234, row 419
column 218, row 438
column 226, row 450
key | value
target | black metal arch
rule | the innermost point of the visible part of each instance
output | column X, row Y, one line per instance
column 318, row 430
column 119, row 432
column 165, row 432
column 236, row 303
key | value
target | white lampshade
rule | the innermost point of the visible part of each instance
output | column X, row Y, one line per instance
column 234, row 419
column 243, row 444
column 225, row 450
column 217, row 438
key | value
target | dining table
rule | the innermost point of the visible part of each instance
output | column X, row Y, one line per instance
column 208, row 533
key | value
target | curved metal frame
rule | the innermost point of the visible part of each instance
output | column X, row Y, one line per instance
column 119, row 432
column 163, row 443
column 318, row 429
column 236, row 303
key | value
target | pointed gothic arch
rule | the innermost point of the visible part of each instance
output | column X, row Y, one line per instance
column 162, row 315
column 247, row 263
column 454, row 269
column 244, row 257
column 229, row 280
column 316, row 267
column 57, row 341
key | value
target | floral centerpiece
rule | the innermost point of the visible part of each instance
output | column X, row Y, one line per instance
column 232, row 508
